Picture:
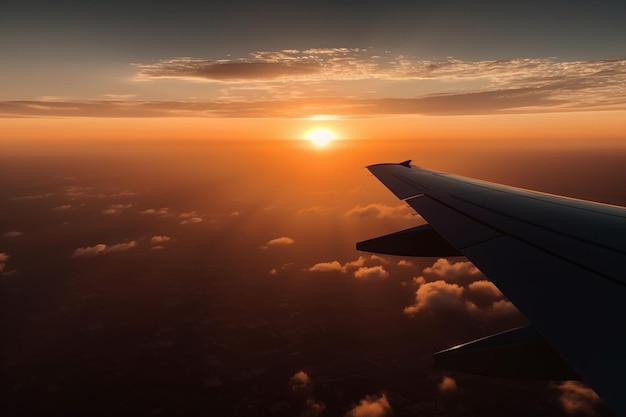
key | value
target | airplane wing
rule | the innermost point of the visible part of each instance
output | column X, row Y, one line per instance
column 560, row 261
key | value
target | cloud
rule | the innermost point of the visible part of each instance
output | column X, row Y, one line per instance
column 90, row 250
column 407, row 264
column 368, row 273
column 116, row 208
column 62, row 207
column 120, row 247
column 577, row 399
column 347, row 64
column 327, row 267
column 437, row 296
column 294, row 84
column 3, row 259
column 101, row 248
column 13, row 233
column 380, row 211
column 279, row 241
column 447, row 385
column 300, row 381
column 192, row 220
column 458, row 286
column 319, row 209
column 371, row 406
column 484, row 287
column 460, row 272
column 163, row 211
column 159, row 239
column 32, row 196
column 273, row 271
column 74, row 192
column 357, row 265
column 302, row 385
column 503, row 308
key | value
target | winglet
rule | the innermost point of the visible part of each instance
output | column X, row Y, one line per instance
column 406, row 163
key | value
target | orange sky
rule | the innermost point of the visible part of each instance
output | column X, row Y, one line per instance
column 573, row 129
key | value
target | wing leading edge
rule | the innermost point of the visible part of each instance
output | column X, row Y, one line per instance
column 561, row 261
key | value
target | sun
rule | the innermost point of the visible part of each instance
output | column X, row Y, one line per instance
column 320, row 137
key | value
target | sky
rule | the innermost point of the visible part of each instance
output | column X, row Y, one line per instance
column 429, row 66
column 171, row 242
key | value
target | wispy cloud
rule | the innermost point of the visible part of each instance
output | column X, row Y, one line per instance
column 116, row 208
column 380, row 211
column 295, row 84
column 101, row 248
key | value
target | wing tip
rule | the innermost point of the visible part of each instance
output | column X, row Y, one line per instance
column 406, row 163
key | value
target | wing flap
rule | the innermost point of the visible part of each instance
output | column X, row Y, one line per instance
column 516, row 353
column 416, row 241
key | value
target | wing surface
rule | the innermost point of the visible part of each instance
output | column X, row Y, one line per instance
column 561, row 261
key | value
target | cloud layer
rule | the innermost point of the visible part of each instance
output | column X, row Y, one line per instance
column 292, row 83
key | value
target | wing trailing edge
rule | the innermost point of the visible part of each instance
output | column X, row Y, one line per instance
column 517, row 353
column 416, row 241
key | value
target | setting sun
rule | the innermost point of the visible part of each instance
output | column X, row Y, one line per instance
column 320, row 137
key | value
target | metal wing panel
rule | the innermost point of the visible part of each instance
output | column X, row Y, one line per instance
column 561, row 261
column 579, row 313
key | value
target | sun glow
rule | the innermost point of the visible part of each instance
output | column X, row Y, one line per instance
column 320, row 137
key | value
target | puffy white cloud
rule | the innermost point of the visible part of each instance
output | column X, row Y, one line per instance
column 120, row 247
column 13, row 233
column 484, row 287
column 371, row 406
column 90, row 250
column 116, row 208
column 375, row 272
column 327, row 267
column 447, row 384
column 192, row 220
column 302, row 385
column 301, row 381
column 462, row 272
column 159, row 239
column 279, row 241
column 503, row 308
column 577, row 399
column 357, row 263
column 459, row 286
column 380, row 211
column 358, row 266
column 163, row 211
column 437, row 296
column 405, row 263
column 101, row 248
